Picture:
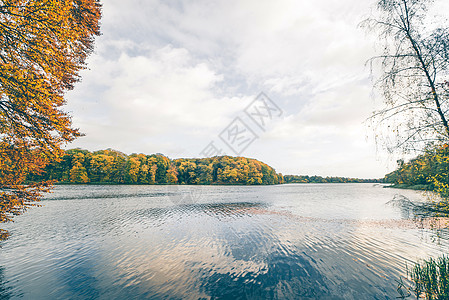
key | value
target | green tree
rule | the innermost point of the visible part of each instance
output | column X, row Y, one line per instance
column 163, row 164
column 187, row 172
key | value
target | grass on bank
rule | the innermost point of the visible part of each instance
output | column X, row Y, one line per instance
column 429, row 279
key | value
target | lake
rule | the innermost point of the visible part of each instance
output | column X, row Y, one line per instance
column 296, row 241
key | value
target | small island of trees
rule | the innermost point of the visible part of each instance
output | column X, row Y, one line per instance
column 113, row 167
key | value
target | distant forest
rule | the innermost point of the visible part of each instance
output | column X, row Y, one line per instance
column 319, row 179
column 113, row 167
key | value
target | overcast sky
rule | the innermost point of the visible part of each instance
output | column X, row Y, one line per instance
column 170, row 76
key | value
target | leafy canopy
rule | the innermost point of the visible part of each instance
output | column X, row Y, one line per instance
column 108, row 166
column 43, row 46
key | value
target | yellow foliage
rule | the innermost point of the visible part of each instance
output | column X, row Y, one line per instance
column 43, row 46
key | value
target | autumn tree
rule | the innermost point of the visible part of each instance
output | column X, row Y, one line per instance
column 108, row 166
column 78, row 173
column 414, row 74
column 101, row 167
column 43, row 46
column 172, row 175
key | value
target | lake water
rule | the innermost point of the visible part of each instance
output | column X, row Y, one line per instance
column 298, row 241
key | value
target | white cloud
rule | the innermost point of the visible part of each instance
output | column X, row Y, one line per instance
column 133, row 101
column 169, row 76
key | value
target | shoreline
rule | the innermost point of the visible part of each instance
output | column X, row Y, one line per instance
column 212, row 184
column 415, row 187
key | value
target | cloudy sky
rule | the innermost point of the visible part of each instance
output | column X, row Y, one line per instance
column 170, row 76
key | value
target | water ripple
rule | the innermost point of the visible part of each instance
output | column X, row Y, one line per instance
column 234, row 242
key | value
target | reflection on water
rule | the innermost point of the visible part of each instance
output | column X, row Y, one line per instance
column 342, row 241
column 423, row 215
column 5, row 290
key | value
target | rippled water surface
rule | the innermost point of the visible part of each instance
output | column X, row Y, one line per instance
column 327, row 241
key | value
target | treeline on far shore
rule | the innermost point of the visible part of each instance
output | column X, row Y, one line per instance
column 428, row 171
column 79, row 166
column 113, row 167
column 320, row 179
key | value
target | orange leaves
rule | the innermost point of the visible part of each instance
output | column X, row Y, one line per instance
column 43, row 46
column 78, row 173
column 16, row 162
